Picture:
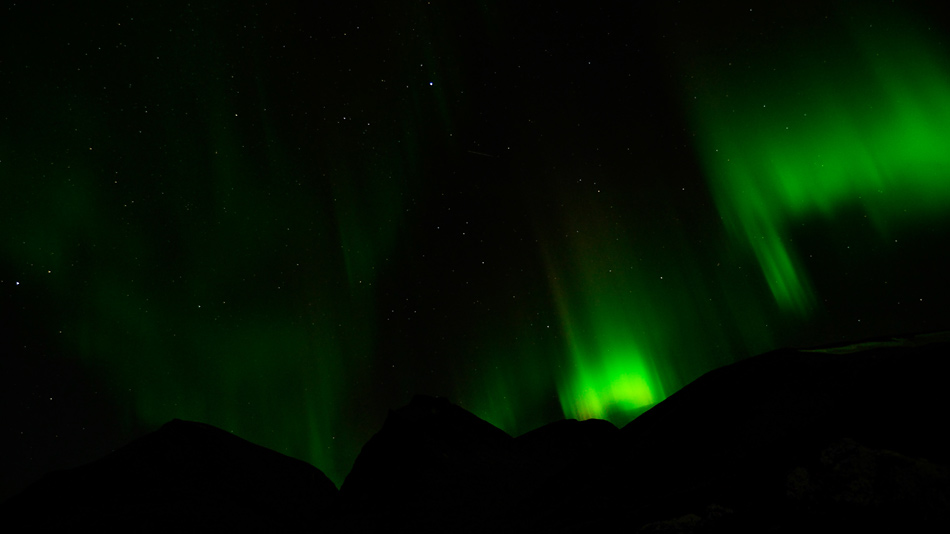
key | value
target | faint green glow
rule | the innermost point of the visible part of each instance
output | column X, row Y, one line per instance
column 861, row 127
column 509, row 390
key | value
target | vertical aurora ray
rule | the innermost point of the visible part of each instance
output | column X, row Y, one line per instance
column 211, row 244
column 610, row 376
column 284, row 220
column 644, row 307
column 614, row 335
column 858, row 124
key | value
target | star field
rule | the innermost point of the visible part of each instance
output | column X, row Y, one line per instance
column 284, row 220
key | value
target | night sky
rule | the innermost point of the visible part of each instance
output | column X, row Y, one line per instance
column 285, row 218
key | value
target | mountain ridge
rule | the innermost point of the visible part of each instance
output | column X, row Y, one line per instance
column 779, row 440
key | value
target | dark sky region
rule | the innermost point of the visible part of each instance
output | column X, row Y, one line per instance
column 285, row 218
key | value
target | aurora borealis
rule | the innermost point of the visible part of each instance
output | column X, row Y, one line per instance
column 867, row 127
column 284, row 220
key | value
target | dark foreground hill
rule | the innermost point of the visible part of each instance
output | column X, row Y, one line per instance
column 185, row 475
column 843, row 437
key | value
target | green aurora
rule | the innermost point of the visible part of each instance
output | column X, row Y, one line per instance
column 863, row 124
column 284, row 233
